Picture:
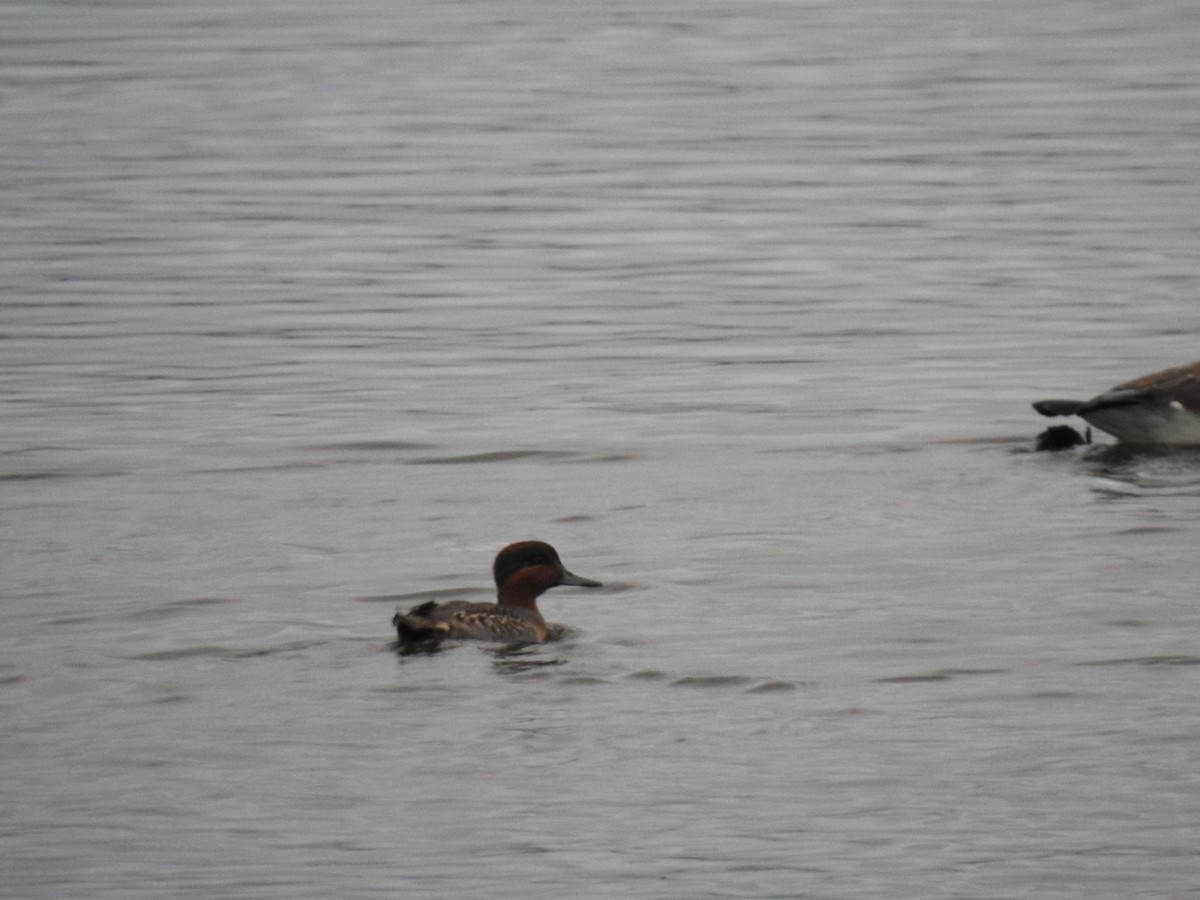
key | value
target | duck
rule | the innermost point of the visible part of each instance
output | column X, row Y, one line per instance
column 1159, row 409
column 523, row 572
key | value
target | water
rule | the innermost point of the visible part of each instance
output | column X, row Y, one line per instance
column 308, row 309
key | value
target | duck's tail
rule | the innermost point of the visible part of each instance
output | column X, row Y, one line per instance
column 1059, row 407
column 414, row 631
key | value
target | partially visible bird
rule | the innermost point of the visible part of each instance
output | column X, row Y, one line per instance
column 1162, row 408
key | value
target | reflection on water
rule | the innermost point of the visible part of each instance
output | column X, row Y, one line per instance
column 517, row 659
column 308, row 310
column 1150, row 470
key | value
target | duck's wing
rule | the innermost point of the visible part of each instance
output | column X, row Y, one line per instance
column 430, row 622
column 461, row 620
column 1178, row 385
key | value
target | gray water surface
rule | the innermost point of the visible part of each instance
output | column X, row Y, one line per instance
column 308, row 309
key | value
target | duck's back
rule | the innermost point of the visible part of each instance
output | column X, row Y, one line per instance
column 462, row 620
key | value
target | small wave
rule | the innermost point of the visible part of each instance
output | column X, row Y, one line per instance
column 378, row 446
column 47, row 475
column 176, row 607
column 218, row 651
column 772, row 687
column 505, row 456
column 711, row 681
column 937, row 675
column 1164, row 660
column 513, row 666
column 749, row 683
column 494, row 456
